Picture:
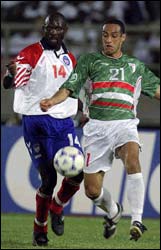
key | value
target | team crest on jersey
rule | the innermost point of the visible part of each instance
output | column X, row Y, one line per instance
column 74, row 77
column 66, row 60
column 133, row 66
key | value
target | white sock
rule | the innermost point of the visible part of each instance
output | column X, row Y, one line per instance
column 105, row 202
column 135, row 195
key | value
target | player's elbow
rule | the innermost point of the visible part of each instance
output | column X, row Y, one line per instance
column 157, row 94
column 7, row 83
column 64, row 93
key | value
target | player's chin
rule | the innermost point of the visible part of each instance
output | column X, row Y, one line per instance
column 109, row 52
column 55, row 43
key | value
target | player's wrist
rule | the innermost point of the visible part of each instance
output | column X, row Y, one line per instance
column 53, row 102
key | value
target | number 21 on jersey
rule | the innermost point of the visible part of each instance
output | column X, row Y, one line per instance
column 117, row 74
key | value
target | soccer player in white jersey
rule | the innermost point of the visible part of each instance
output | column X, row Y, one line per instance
column 39, row 70
column 117, row 81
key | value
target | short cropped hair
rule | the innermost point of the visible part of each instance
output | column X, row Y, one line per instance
column 55, row 16
column 116, row 21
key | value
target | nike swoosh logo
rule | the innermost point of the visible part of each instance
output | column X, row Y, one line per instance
column 20, row 57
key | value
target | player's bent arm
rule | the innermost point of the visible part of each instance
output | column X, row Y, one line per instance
column 157, row 94
column 57, row 98
column 60, row 96
column 8, row 82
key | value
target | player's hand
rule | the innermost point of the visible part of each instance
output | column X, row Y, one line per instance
column 11, row 66
column 58, row 97
column 45, row 104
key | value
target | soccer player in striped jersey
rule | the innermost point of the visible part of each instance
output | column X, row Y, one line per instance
column 117, row 81
column 39, row 70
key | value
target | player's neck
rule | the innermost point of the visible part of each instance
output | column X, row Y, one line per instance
column 113, row 56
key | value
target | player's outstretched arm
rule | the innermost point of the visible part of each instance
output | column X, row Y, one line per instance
column 58, row 97
column 157, row 94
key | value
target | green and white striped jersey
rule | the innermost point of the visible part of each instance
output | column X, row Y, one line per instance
column 116, row 84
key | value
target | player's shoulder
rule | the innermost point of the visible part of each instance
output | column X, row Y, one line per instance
column 131, row 59
column 32, row 48
column 30, row 54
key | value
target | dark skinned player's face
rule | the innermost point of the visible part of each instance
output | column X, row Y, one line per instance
column 54, row 31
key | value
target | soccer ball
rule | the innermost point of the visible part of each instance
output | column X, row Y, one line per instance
column 69, row 161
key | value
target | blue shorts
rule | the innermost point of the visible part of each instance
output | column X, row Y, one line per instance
column 45, row 135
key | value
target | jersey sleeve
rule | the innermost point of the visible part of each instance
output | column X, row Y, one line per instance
column 78, row 77
column 26, row 62
column 73, row 59
column 150, row 82
column 24, row 70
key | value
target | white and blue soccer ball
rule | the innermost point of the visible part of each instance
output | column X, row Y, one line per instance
column 69, row 161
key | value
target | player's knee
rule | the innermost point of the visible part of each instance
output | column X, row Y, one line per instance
column 48, row 180
column 45, row 190
column 48, row 184
column 79, row 178
column 92, row 192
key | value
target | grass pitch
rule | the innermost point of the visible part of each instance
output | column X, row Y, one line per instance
column 80, row 233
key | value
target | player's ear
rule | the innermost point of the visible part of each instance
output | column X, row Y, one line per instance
column 65, row 29
column 43, row 28
column 123, row 37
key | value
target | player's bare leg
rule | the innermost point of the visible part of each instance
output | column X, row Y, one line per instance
column 129, row 153
column 102, row 198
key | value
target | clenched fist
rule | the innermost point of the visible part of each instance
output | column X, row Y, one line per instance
column 45, row 104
